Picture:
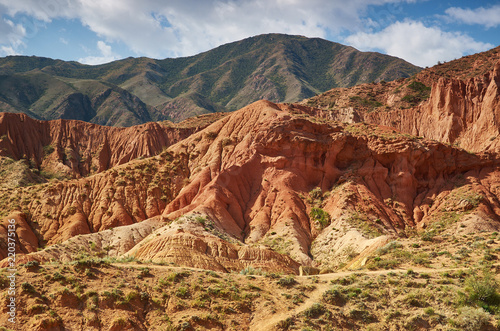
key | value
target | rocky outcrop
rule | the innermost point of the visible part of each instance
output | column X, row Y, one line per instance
column 113, row 242
column 75, row 148
column 269, row 185
column 187, row 242
column 251, row 172
column 464, row 113
column 55, row 212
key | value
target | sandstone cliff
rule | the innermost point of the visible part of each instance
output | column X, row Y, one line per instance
column 270, row 176
column 464, row 113
column 455, row 103
column 80, row 148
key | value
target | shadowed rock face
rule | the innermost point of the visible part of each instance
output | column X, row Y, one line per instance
column 246, row 182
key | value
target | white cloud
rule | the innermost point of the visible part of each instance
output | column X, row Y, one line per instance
column 158, row 28
column 106, row 55
column 11, row 35
column 7, row 50
column 489, row 17
column 418, row 44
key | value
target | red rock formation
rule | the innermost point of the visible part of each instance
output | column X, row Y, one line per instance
column 260, row 160
column 125, row 195
column 80, row 148
column 463, row 113
column 248, row 176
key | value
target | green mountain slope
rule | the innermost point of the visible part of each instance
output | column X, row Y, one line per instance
column 279, row 68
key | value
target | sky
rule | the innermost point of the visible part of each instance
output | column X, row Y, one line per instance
column 423, row 32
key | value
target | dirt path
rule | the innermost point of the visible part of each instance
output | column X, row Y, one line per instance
column 322, row 286
column 268, row 322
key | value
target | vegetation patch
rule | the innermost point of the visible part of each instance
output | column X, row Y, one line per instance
column 419, row 92
column 320, row 216
column 364, row 225
column 370, row 102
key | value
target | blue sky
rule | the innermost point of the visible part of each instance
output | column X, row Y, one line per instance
column 422, row 32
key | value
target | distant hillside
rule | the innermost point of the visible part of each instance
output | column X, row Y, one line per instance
column 275, row 67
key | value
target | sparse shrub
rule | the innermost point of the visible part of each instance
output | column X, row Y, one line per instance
column 226, row 142
column 251, row 271
column 47, row 150
column 362, row 315
column 212, row 273
column 429, row 311
column 350, row 252
column 428, row 235
column 211, row 135
column 177, row 276
column 285, row 324
column 287, row 281
column 182, row 292
column 488, row 256
column 272, row 275
column 316, row 310
column 185, row 326
column 131, row 296
column 32, row 264
column 115, row 294
column 471, row 319
column 27, row 287
column 200, row 219
column 296, row 299
column 144, row 272
column 379, row 263
column 334, row 297
column 315, row 196
column 481, row 290
column 420, row 92
column 320, row 216
column 415, row 299
column 144, row 296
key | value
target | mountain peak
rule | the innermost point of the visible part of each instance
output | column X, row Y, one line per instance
column 277, row 67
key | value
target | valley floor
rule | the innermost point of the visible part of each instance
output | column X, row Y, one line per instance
column 446, row 283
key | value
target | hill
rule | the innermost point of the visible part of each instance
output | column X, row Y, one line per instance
column 263, row 191
column 375, row 207
column 279, row 68
column 454, row 103
column 267, row 175
column 73, row 149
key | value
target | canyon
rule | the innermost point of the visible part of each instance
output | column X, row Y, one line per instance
column 333, row 183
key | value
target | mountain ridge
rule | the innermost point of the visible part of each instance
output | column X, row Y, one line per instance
column 276, row 67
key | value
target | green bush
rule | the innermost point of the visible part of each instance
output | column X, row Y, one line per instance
column 287, row 281
column 32, row 264
column 182, row 292
column 391, row 246
column 47, row 150
column 482, row 291
column 419, row 93
column 471, row 319
column 285, row 324
column 28, row 288
column 251, row 271
column 321, row 216
column 316, row 310
column 334, row 297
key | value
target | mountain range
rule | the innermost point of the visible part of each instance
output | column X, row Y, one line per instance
column 279, row 68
